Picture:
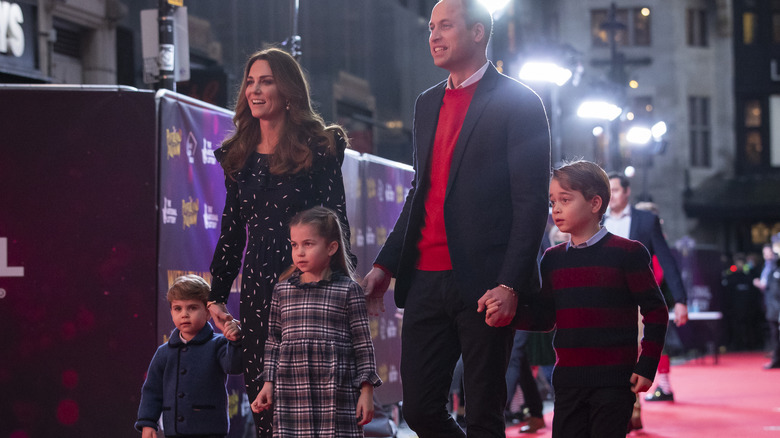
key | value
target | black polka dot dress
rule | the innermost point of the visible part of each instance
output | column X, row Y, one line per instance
column 258, row 208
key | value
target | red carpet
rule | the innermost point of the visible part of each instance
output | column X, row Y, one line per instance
column 734, row 398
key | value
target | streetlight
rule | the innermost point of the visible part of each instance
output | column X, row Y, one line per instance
column 541, row 71
column 551, row 73
column 643, row 136
column 599, row 109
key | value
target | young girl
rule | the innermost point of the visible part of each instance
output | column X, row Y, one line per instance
column 319, row 359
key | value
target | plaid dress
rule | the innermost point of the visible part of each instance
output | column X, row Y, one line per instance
column 318, row 353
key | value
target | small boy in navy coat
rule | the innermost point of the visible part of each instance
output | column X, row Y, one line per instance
column 186, row 379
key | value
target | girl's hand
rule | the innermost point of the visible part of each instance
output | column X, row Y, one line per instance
column 264, row 399
column 640, row 384
column 148, row 432
column 365, row 405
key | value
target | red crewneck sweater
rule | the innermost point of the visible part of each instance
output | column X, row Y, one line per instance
column 434, row 253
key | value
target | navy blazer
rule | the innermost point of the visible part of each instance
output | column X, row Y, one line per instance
column 496, row 201
column 646, row 228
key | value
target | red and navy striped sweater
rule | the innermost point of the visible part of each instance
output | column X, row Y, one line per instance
column 591, row 295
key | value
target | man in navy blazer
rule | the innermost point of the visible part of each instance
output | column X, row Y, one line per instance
column 627, row 221
column 470, row 228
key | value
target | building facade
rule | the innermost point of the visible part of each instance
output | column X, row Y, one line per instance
column 744, row 207
column 672, row 62
column 65, row 42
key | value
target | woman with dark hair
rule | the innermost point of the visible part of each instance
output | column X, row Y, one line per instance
column 280, row 160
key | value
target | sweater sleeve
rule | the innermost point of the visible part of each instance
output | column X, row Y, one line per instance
column 150, row 408
column 230, row 247
column 230, row 356
column 655, row 315
column 538, row 313
column 362, row 345
column 274, row 341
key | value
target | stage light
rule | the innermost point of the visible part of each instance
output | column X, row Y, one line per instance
column 658, row 130
column 598, row 110
column 537, row 71
column 639, row 135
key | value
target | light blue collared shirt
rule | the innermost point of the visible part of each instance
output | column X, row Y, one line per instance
column 590, row 242
column 619, row 225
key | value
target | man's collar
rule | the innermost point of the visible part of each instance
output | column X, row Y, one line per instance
column 626, row 212
column 472, row 79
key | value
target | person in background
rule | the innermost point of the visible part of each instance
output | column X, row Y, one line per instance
column 280, row 160
column 186, row 379
column 470, row 228
column 629, row 222
column 592, row 286
column 769, row 284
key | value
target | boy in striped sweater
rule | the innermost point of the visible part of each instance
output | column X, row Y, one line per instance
column 591, row 288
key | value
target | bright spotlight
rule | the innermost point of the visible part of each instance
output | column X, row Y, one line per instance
column 658, row 130
column 629, row 172
column 638, row 135
column 535, row 71
column 494, row 5
column 598, row 110
column 598, row 130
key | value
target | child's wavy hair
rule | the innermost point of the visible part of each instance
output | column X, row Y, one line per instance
column 327, row 225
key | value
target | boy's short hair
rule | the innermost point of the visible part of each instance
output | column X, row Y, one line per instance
column 189, row 287
column 587, row 178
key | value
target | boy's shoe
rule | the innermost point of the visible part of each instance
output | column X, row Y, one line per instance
column 534, row 424
column 660, row 395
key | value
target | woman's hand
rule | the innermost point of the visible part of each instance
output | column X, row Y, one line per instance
column 219, row 314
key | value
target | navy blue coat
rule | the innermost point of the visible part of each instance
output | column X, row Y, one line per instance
column 186, row 384
column 496, row 201
column 646, row 228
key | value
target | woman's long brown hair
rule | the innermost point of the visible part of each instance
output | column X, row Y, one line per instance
column 303, row 128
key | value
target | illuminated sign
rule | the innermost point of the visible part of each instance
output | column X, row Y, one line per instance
column 11, row 31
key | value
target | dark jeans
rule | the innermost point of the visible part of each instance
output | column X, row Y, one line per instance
column 599, row 412
column 774, row 340
column 437, row 328
column 519, row 371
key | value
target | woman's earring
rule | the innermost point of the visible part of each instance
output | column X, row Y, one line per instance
column 288, row 105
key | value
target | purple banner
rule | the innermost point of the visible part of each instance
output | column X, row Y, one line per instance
column 386, row 184
column 192, row 196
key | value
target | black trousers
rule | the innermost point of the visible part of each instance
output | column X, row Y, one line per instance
column 600, row 412
column 438, row 326
column 519, row 372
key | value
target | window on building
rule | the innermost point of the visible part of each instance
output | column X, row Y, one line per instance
column 749, row 28
column 699, row 131
column 775, row 5
column 633, row 27
column 753, row 113
column 697, row 30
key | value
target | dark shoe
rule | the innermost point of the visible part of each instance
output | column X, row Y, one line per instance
column 461, row 420
column 660, row 395
column 534, row 424
column 772, row 365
